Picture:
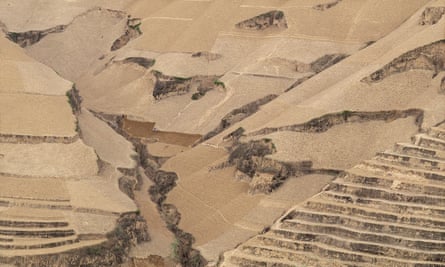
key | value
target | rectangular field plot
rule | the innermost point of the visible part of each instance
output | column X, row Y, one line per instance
column 33, row 188
column 36, row 115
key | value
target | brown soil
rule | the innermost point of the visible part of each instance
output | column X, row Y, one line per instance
column 146, row 130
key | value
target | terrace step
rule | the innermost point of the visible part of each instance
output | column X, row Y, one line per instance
column 37, row 232
column 36, row 204
column 329, row 252
column 358, row 176
column 362, row 225
column 437, row 132
column 310, row 232
column 6, row 238
column 277, row 254
column 241, row 259
column 410, row 149
column 386, row 205
column 359, row 190
column 411, row 161
column 366, row 219
column 373, row 248
column 53, row 250
column 299, row 230
column 379, row 167
column 38, row 243
column 427, row 141
column 32, row 224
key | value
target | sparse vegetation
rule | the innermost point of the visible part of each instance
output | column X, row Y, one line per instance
column 346, row 114
column 70, row 100
column 219, row 83
column 237, row 115
column 77, row 129
column 94, row 251
column 137, row 27
column 175, row 250
column 274, row 18
column 156, row 73
column 181, row 79
column 197, row 96
column 141, row 61
column 246, row 156
column 12, row 36
column 367, row 215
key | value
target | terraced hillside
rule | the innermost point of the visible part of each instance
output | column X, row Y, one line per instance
column 388, row 211
column 56, row 195
column 212, row 122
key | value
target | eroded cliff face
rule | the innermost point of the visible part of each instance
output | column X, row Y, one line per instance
column 432, row 15
column 271, row 19
column 132, row 31
column 238, row 115
column 164, row 182
column 141, row 61
column 327, row 121
column 429, row 57
column 265, row 174
column 315, row 67
column 166, row 86
column 323, row 7
column 28, row 38
column 442, row 86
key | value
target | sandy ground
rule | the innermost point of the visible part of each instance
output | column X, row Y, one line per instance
column 87, row 38
column 181, row 111
column 13, row 52
column 109, row 146
column 88, row 223
column 180, row 114
column 215, row 208
column 183, row 21
column 99, row 193
column 24, row 213
column 36, row 115
column 203, row 115
column 20, row 74
column 161, row 238
column 33, row 188
column 48, row 160
column 339, row 88
column 23, row 15
column 117, row 89
column 294, row 190
column 342, row 146
column 33, row 102
column 159, row 149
